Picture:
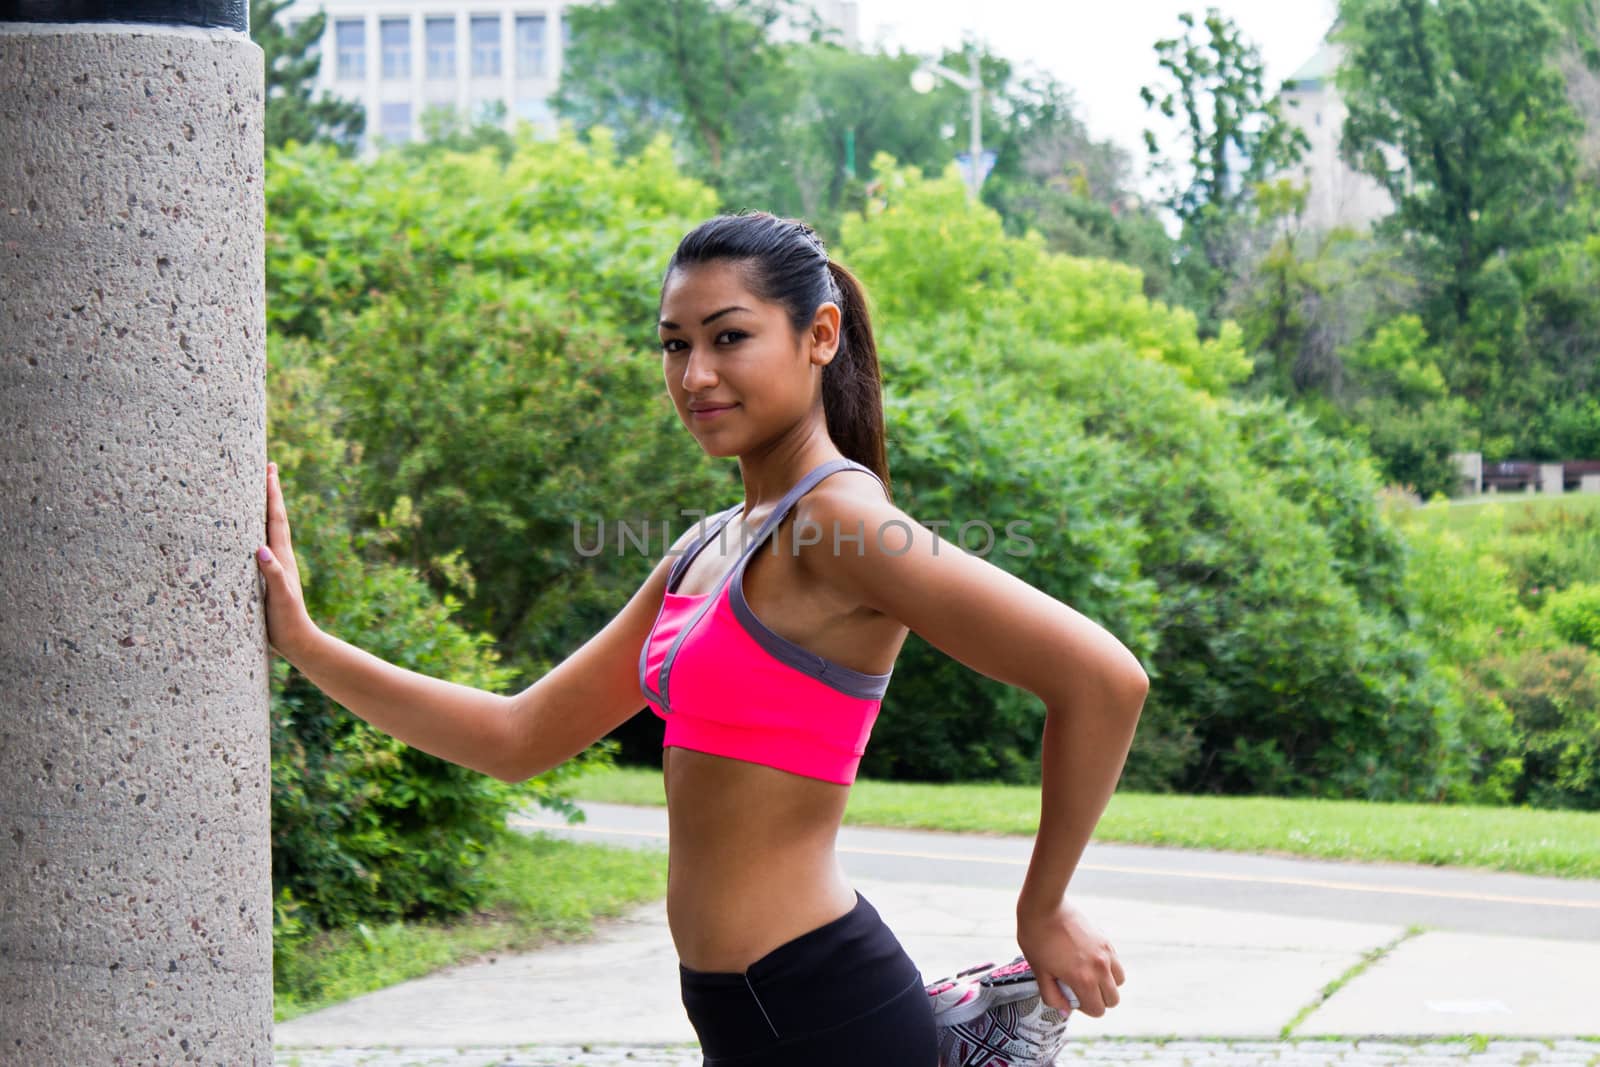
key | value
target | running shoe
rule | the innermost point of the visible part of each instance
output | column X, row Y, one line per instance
column 959, row 998
column 991, row 1016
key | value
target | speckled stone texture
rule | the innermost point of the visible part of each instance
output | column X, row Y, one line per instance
column 135, row 876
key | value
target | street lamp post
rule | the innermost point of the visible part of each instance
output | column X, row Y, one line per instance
column 923, row 81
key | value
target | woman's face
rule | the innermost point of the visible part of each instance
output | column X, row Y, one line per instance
column 737, row 371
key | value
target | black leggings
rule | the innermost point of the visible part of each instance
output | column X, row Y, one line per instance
column 842, row 995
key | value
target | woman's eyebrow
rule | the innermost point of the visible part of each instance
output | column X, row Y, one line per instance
column 708, row 320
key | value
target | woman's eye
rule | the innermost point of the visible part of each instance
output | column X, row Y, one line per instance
column 730, row 336
column 669, row 343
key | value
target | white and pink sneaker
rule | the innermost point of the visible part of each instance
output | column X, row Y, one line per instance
column 991, row 1016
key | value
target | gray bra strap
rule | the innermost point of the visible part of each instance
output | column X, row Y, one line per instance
column 800, row 489
column 711, row 526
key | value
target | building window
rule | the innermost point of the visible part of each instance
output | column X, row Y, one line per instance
column 350, row 37
column 395, row 37
column 394, row 121
column 486, row 46
column 530, row 46
column 441, row 38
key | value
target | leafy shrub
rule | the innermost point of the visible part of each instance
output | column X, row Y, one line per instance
column 363, row 826
column 1277, row 638
column 1413, row 442
column 1575, row 614
column 1040, row 501
column 1465, row 610
column 1554, row 698
column 1550, row 548
column 490, row 354
column 593, row 230
column 924, row 252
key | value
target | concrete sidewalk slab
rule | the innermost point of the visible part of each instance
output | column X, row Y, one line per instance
column 1194, row 972
column 1078, row 1053
column 619, row 986
column 1442, row 982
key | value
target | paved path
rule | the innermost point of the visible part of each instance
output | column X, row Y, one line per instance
column 1375, row 1053
column 1210, row 985
column 1459, row 899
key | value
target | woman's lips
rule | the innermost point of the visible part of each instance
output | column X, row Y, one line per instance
column 711, row 413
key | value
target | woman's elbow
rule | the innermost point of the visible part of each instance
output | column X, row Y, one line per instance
column 1138, row 688
column 519, row 758
column 1126, row 679
column 523, row 761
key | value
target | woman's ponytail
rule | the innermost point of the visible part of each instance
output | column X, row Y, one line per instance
column 852, row 387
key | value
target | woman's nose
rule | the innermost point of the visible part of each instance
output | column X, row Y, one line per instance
column 698, row 374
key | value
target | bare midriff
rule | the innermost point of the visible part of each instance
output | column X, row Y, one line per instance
column 751, row 862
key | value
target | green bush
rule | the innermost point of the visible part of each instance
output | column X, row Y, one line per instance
column 1466, row 610
column 593, row 230
column 1575, row 614
column 1554, row 698
column 490, row 354
column 1551, row 548
column 1041, row 502
column 1239, row 554
column 1412, row 442
column 363, row 826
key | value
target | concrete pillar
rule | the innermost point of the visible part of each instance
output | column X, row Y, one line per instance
column 135, row 873
column 1470, row 465
column 1550, row 478
column 1589, row 483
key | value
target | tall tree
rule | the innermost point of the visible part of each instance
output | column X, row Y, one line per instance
column 1236, row 139
column 291, row 69
column 807, row 136
column 1050, row 140
column 636, row 65
column 1580, row 22
column 1457, row 108
column 1579, row 59
column 1053, row 176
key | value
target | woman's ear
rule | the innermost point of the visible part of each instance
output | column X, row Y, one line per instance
column 824, row 334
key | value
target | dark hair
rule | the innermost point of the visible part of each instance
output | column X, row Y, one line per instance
column 786, row 264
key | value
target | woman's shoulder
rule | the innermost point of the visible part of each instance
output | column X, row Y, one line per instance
column 845, row 487
column 848, row 504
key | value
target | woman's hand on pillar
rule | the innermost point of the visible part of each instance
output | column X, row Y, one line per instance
column 288, row 625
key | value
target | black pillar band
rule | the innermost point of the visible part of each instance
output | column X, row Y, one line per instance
column 222, row 14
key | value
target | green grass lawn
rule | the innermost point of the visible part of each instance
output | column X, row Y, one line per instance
column 544, row 890
column 1564, row 844
column 1465, row 513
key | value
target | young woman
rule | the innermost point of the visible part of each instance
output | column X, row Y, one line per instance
column 768, row 667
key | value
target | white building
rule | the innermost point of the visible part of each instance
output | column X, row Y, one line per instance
column 1340, row 195
column 399, row 58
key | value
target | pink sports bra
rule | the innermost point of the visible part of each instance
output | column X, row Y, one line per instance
column 726, row 684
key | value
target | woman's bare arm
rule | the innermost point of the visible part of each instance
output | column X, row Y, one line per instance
column 1092, row 686
column 510, row 737
column 455, row 722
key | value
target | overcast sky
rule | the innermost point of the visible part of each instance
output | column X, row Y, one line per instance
column 1104, row 50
